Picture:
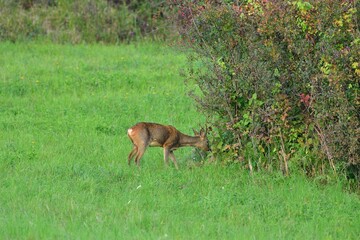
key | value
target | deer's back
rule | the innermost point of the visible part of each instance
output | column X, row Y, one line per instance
column 152, row 134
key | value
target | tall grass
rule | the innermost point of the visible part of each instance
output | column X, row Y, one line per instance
column 64, row 112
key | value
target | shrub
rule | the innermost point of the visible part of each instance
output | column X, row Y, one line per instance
column 278, row 79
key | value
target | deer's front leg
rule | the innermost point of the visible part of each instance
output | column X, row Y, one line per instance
column 172, row 156
column 166, row 155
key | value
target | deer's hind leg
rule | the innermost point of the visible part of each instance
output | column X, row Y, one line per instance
column 132, row 154
column 140, row 139
column 140, row 152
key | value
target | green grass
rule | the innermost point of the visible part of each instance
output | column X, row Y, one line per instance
column 64, row 112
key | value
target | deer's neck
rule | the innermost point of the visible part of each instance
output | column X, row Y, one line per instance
column 186, row 140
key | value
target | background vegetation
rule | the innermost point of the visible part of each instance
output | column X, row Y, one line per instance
column 88, row 21
column 64, row 112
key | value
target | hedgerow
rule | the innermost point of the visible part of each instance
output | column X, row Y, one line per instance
column 279, row 80
column 89, row 21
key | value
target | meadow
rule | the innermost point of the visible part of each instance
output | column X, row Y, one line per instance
column 64, row 113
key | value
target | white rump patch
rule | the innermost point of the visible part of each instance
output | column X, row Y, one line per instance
column 130, row 131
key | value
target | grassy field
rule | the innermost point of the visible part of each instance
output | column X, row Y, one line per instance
column 64, row 112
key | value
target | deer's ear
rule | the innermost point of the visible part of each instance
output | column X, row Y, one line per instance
column 196, row 132
column 202, row 133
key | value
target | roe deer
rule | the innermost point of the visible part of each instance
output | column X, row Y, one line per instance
column 146, row 134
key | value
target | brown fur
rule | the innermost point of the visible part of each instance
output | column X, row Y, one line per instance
column 146, row 134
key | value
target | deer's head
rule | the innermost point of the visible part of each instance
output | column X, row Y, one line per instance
column 203, row 144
